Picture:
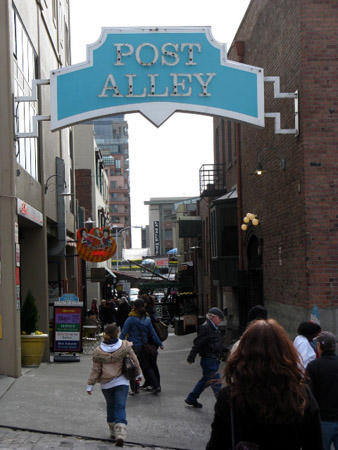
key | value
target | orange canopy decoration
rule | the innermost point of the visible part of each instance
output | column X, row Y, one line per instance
column 95, row 245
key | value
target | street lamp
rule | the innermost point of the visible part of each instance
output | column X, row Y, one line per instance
column 117, row 232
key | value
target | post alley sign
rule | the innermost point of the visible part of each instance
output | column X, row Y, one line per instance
column 156, row 71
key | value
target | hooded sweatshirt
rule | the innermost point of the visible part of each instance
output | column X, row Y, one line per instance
column 107, row 364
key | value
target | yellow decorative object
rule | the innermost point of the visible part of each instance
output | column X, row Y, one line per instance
column 32, row 347
column 255, row 222
column 244, row 227
column 246, row 219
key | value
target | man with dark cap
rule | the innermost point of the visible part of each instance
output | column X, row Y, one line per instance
column 323, row 376
column 209, row 345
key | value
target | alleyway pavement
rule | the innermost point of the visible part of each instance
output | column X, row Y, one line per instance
column 48, row 407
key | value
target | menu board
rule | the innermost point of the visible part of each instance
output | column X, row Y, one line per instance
column 67, row 328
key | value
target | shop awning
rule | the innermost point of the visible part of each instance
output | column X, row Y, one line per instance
column 110, row 273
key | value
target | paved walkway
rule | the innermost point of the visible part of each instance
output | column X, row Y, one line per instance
column 48, row 407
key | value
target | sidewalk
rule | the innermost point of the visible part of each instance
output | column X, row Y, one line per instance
column 52, row 401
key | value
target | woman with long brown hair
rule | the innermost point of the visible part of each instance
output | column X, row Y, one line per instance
column 265, row 401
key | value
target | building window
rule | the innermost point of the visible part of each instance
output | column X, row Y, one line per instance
column 113, row 185
column 168, row 235
column 118, row 164
column 25, row 71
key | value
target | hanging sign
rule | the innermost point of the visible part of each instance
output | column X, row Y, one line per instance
column 95, row 245
column 156, row 71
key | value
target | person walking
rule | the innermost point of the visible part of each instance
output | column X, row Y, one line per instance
column 307, row 331
column 139, row 330
column 266, row 404
column 107, row 369
column 149, row 303
column 323, row 382
column 123, row 309
column 255, row 313
column 209, row 345
column 105, row 314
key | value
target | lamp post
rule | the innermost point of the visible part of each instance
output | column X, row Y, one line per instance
column 117, row 232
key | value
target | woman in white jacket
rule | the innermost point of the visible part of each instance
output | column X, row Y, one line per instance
column 307, row 331
column 107, row 369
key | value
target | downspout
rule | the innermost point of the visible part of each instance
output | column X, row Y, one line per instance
column 239, row 47
column 59, row 249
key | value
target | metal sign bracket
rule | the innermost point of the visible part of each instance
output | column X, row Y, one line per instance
column 276, row 115
column 35, row 119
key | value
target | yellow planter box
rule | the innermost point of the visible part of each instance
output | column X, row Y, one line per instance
column 32, row 347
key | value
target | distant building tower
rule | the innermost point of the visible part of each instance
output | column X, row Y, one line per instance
column 111, row 135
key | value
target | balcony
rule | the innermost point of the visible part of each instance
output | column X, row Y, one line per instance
column 212, row 180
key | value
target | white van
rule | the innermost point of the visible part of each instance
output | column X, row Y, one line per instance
column 133, row 294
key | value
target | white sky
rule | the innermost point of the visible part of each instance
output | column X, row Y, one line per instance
column 165, row 161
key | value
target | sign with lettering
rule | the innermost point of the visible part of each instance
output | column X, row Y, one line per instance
column 156, row 71
column 67, row 328
column 156, row 237
column 95, row 245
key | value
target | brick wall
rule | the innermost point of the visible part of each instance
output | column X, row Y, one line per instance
column 83, row 180
column 296, row 40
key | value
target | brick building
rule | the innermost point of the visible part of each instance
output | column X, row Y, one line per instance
column 289, row 261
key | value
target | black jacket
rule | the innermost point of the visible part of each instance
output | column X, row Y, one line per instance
column 323, row 375
column 208, row 343
column 304, row 433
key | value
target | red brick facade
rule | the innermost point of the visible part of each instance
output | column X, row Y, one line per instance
column 296, row 40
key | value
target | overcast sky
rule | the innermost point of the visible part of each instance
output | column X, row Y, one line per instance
column 165, row 161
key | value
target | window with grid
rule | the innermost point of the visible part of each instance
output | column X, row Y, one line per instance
column 25, row 71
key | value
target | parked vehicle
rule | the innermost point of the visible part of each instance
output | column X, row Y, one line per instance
column 159, row 296
column 133, row 294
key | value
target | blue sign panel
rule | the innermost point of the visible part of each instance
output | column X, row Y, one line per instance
column 68, row 298
column 157, row 72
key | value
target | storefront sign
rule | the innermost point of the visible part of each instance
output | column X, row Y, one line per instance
column 28, row 212
column 156, row 237
column 95, row 245
column 67, row 328
column 157, row 71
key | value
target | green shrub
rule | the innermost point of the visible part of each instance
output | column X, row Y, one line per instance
column 29, row 315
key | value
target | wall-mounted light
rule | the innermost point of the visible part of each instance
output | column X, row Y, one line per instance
column 47, row 185
column 259, row 170
column 89, row 221
column 248, row 219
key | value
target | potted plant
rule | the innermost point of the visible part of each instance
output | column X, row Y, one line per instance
column 32, row 340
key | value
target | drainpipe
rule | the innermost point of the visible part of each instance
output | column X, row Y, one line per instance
column 239, row 47
column 59, row 249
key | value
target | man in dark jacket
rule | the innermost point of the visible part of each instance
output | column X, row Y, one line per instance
column 209, row 345
column 323, row 375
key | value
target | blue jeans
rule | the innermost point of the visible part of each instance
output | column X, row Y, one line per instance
column 330, row 434
column 116, row 399
column 211, row 377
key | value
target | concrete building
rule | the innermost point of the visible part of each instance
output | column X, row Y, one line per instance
column 162, row 218
column 288, row 262
column 93, row 196
column 111, row 135
column 37, row 224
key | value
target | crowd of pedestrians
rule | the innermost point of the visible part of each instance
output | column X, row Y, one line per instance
column 274, row 393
